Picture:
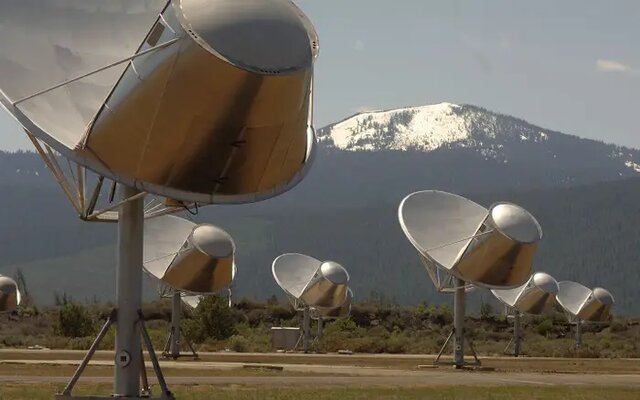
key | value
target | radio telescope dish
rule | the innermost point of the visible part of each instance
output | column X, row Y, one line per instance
column 312, row 285
column 9, row 294
column 199, row 101
column 462, row 244
column 583, row 303
column 312, row 282
column 192, row 258
column 491, row 248
column 537, row 296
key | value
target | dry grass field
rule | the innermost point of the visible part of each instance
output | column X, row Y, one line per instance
column 200, row 392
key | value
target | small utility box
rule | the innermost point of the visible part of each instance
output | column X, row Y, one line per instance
column 285, row 338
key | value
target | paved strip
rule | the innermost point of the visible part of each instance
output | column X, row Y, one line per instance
column 344, row 375
column 81, row 353
column 431, row 379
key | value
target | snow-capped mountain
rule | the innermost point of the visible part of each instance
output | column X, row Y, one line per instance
column 450, row 126
column 420, row 128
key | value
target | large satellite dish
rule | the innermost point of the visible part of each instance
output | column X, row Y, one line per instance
column 312, row 285
column 9, row 294
column 201, row 101
column 191, row 100
column 191, row 260
column 491, row 248
column 198, row 259
column 462, row 243
column 536, row 296
column 582, row 304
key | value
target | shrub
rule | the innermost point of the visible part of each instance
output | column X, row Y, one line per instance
column 545, row 327
column 486, row 311
column 211, row 319
column 396, row 344
column 238, row 344
column 74, row 321
column 618, row 326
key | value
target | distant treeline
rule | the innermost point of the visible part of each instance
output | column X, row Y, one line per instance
column 371, row 328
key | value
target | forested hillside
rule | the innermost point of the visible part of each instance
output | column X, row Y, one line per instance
column 582, row 191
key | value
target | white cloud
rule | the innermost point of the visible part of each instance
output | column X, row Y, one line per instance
column 364, row 109
column 358, row 45
column 612, row 66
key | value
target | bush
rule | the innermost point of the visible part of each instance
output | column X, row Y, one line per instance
column 486, row 311
column 545, row 327
column 212, row 319
column 238, row 344
column 397, row 344
column 75, row 321
column 618, row 326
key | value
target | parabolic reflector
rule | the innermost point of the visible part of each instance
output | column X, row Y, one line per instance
column 491, row 248
column 311, row 281
column 584, row 303
column 536, row 296
column 193, row 258
column 9, row 294
column 195, row 100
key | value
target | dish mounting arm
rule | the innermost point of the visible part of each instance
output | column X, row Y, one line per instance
column 85, row 189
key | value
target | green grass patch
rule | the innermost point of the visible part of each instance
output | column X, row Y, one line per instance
column 197, row 392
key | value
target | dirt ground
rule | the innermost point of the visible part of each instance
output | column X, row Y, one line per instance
column 38, row 367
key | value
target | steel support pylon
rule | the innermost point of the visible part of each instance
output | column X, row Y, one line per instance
column 458, row 324
column 129, row 296
column 176, row 316
column 306, row 329
column 172, row 346
column 516, row 340
column 457, row 333
column 129, row 367
column 517, row 334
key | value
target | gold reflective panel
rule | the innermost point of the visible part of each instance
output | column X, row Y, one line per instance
column 501, row 252
column 206, row 134
column 197, row 269
column 597, row 308
column 9, row 294
column 328, row 288
column 337, row 312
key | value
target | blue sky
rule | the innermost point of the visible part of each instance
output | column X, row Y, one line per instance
column 571, row 65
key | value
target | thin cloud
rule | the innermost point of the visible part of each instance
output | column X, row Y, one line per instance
column 358, row 45
column 364, row 109
column 612, row 66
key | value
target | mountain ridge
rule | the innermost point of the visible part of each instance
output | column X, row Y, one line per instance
column 421, row 128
